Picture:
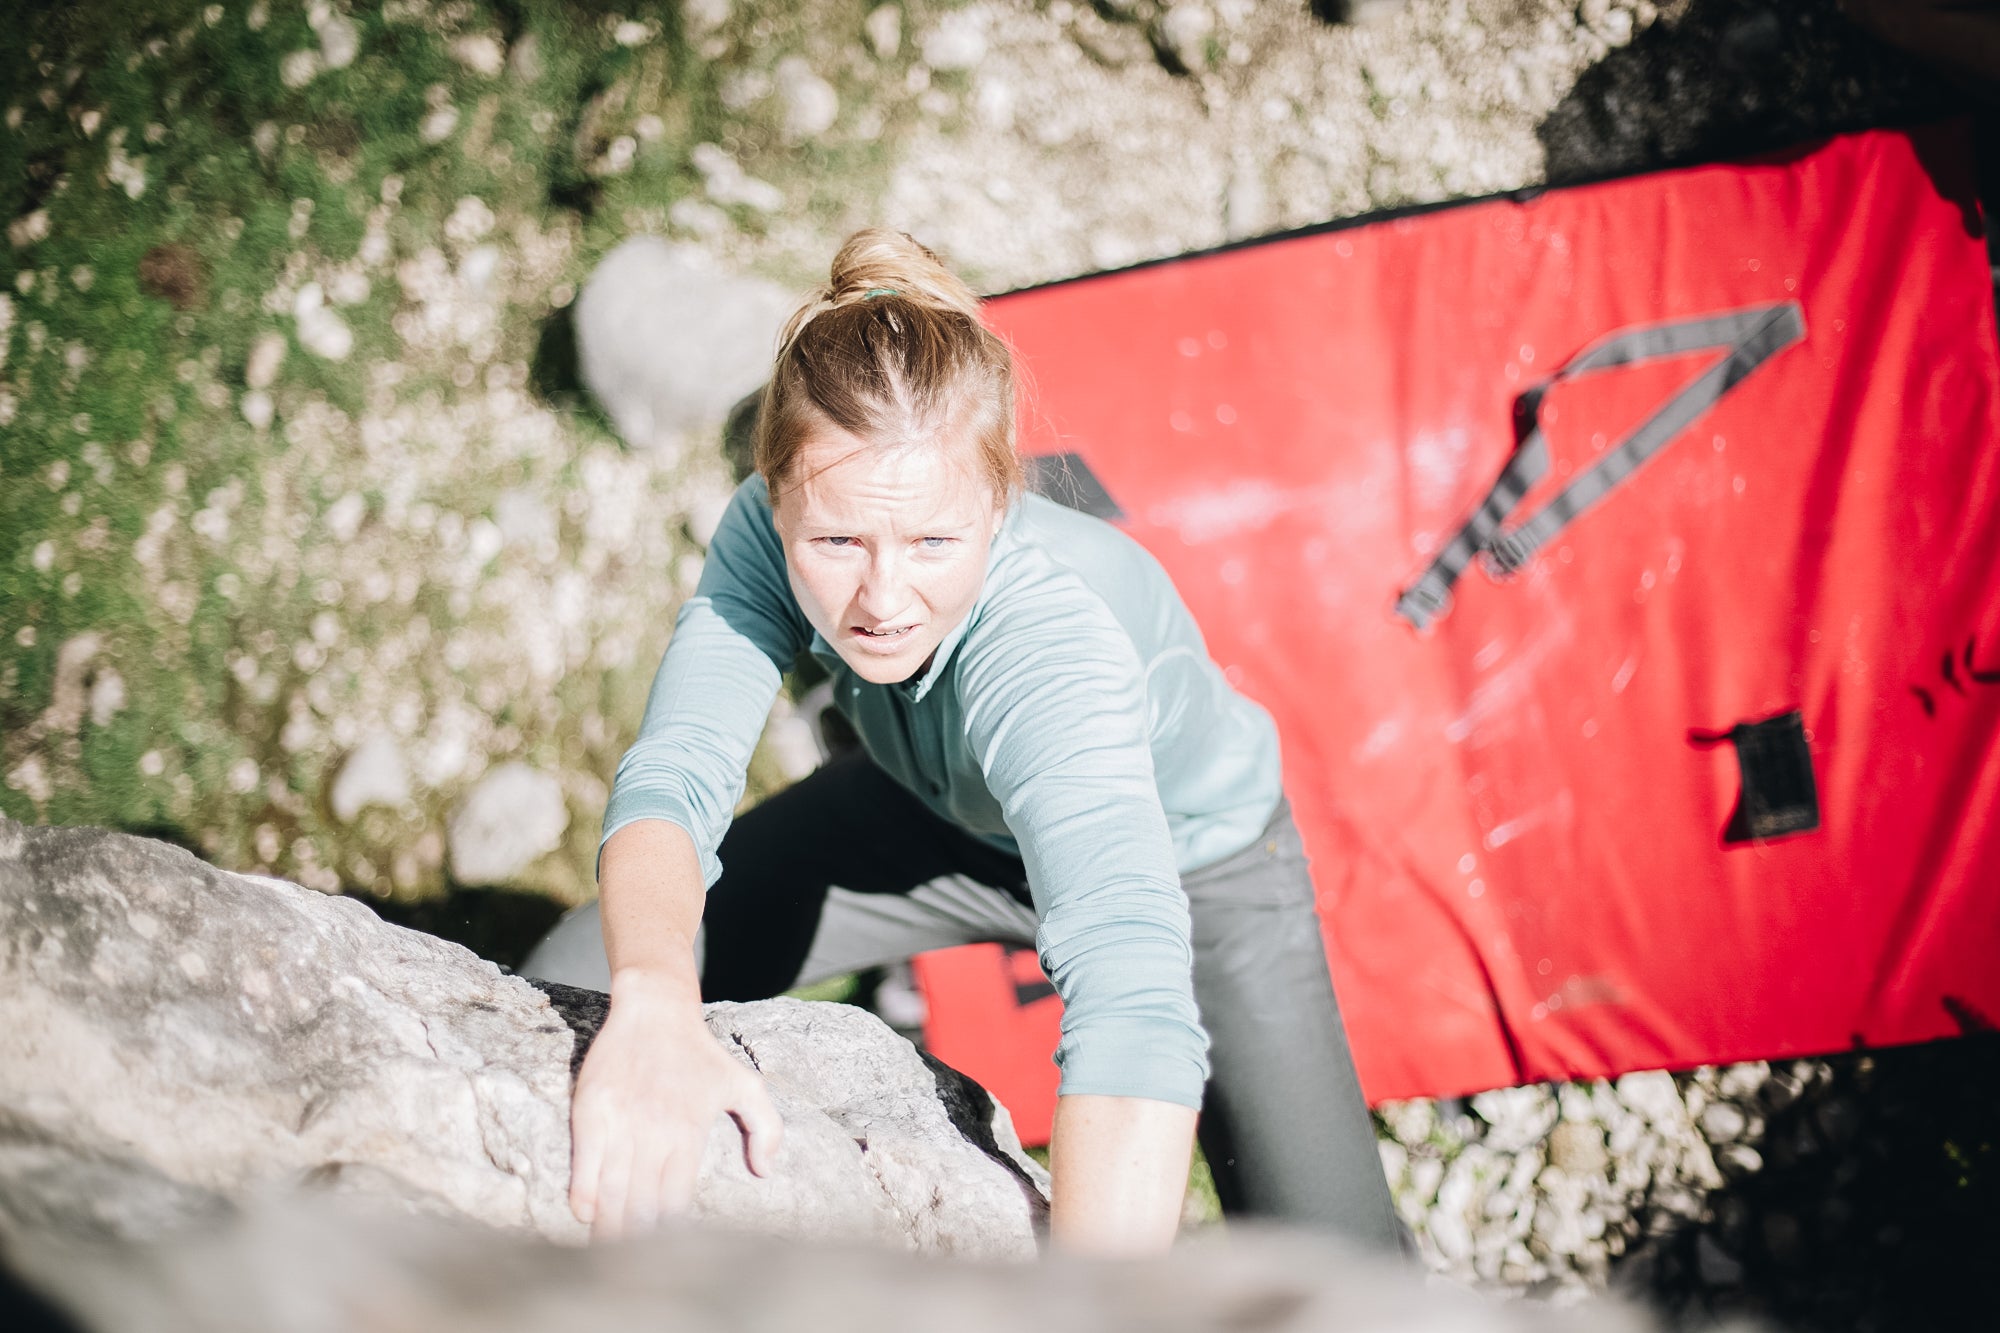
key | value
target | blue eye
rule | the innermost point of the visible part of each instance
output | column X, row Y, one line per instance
column 936, row 543
column 838, row 541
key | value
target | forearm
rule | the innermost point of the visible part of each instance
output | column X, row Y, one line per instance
column 1120, row 1170
column 655, row 1080
column 651, row 895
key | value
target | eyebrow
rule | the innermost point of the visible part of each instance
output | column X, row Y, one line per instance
column 832, row 529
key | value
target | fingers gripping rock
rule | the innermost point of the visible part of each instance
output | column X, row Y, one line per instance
column 877, row 1142
column 201, row 1036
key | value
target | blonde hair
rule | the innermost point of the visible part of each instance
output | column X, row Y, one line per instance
column 891, row 351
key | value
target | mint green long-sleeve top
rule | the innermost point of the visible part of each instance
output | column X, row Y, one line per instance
column 1074, row 718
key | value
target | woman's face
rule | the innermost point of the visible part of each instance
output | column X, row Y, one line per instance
column 886, row 548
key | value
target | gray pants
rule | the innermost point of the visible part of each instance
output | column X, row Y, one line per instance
column 846, row 870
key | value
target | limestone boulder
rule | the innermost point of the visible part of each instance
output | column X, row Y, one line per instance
column 175, row 1037
column 303, row 1267
column 374, row 773
column 512, row 816
column 669, row 341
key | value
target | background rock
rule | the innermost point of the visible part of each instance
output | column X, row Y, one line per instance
column 884, row 26
column 1830, row 1194
column 669, row 343
column 266, row 356
column 374, row 774
column 811, row 104
column 513, row 815
column 173, row 1037
column 421, row 228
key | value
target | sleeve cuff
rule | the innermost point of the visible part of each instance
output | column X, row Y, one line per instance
column 631, row 810
column 1158, row 1059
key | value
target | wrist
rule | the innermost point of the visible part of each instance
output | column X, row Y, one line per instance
column 656, row 988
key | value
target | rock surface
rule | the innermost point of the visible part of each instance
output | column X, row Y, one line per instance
column 173, row 1037
column 301, row 1269
column 668, row 342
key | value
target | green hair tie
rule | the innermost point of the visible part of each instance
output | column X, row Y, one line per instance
column 874, row 292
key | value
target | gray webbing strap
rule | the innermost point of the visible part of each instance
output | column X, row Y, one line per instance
column 1751, row 337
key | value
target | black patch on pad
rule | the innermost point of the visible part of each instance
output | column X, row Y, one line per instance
column 1779, row 794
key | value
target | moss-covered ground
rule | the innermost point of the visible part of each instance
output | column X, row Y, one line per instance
column 283, row 336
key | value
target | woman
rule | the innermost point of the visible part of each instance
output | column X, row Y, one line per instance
column 1049, row 755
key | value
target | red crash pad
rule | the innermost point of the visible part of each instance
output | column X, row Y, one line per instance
column 1691, row 757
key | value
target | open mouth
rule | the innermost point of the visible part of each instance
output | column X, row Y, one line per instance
column 883, row 635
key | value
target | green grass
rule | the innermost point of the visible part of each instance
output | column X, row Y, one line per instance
column 188, row 193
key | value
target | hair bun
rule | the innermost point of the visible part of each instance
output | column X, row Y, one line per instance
column 892, row 351
column 880, row 262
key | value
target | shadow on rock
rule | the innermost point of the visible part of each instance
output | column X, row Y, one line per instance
column 1873, row 1209
column 555, row 370
column 1729, row 78
column 22, row 1311
column 500, row 925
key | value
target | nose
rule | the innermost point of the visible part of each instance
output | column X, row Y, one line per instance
column 884, row 590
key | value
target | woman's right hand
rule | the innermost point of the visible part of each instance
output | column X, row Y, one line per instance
column 650, row 1091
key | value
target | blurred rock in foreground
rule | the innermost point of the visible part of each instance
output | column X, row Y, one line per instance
column 173, row 1037
column 292, row 1266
